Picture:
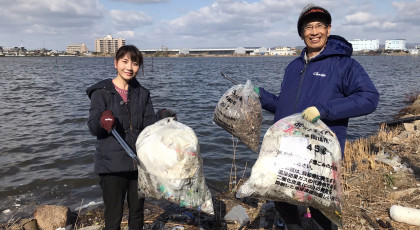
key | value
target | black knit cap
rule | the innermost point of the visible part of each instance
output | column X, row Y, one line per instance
column 310, row 12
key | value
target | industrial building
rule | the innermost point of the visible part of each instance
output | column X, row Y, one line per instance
column 362, row 45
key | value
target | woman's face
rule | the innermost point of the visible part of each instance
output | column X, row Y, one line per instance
column 126, row 68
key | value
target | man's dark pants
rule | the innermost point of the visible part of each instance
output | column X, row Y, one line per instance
column 292, row 216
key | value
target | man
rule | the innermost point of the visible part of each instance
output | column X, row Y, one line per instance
column 323, row 83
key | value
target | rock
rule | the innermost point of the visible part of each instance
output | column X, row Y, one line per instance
column 31, row 225
column 51, row 217
column 24, row 224
column 398, row 194
column 417, row 125
column 409, row 127
column 403, row 135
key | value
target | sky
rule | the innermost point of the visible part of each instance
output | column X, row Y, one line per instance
column 177, row 24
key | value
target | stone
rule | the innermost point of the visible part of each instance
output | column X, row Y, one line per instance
column 51, row 217
column 409, row 127
column 24, row 224
column 417, row 125
column 31, row 225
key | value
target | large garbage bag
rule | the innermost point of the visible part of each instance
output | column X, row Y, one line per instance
column 299, row 163
column 239, row 112
column 171, row 167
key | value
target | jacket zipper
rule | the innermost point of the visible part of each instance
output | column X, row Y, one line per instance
column 302, row 77
column 129, row 121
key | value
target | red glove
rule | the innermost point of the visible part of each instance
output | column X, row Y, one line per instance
column 107, row 120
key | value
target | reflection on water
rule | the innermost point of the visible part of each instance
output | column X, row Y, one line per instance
column 46, row 150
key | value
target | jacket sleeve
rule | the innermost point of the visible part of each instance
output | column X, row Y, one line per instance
column 360, row 95
column 97, row 106
column 149, row 112
column 268, row 100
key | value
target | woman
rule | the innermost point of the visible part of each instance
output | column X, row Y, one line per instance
column 125, row 105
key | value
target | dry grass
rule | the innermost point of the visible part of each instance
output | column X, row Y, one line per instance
column 368, row 185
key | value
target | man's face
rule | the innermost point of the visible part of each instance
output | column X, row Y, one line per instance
column 315, row 35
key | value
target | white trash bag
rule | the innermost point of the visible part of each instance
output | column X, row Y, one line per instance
column 239, row 112
column 299, row 163
column 171, row 166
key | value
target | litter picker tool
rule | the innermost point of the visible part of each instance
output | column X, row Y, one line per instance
column 230, row 79
column 125, row 146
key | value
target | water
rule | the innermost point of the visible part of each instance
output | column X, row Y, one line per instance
column 46, row 151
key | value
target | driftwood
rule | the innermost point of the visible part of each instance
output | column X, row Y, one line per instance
column 398, row 194
column 369, row 220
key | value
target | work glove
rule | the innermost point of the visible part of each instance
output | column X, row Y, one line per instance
column 107, row 120
column 311, row 114
column 164, row 113
column 257, row 90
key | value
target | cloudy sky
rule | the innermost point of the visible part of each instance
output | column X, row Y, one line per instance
column 151, row 24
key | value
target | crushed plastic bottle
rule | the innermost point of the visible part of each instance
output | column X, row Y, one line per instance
column 238, row 214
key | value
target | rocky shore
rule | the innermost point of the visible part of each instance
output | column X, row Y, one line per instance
column 378, row 172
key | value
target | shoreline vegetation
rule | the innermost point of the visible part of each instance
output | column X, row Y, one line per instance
column 378, row 172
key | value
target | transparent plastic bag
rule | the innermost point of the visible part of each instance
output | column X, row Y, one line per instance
column 239, row 112
column 171, row 166
column 299, row 163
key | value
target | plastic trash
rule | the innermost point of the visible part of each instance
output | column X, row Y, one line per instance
column 239, row 112
column 238, row 214
column 405, row 214
column 188, row 215
column 171, row 167
column 394, row 162
column 299, row 163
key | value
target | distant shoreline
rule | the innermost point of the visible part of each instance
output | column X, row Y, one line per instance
column 202, row 55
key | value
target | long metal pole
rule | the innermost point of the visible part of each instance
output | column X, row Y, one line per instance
column 125, row 146
column 230, row 79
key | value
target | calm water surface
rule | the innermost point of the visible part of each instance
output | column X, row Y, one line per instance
column 46, row 151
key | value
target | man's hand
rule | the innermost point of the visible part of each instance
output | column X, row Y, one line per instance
column 107, row 120
column 311, row 114
column 257, row 90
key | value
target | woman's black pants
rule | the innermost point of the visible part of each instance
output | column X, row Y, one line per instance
column 115, row 187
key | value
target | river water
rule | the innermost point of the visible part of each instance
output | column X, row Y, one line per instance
column 46, row 151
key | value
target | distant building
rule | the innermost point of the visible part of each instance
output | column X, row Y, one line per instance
column 79, row 48
column 108, row 44
column 365, row 45
column 282, row 51
column 240, row 51
column 395, row 45
column 260, row 51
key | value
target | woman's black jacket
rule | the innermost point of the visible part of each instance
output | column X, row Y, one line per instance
column 130, row 119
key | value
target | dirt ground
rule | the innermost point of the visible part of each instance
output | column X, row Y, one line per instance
column 369, row 187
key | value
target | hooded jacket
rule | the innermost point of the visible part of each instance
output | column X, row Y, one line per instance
column 333, row 82
column 130, row 119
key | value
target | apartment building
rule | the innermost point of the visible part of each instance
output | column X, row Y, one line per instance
column 108, row 44
column 78, row 48
column 395, row 44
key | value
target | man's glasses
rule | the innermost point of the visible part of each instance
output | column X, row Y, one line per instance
column 319, row 26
